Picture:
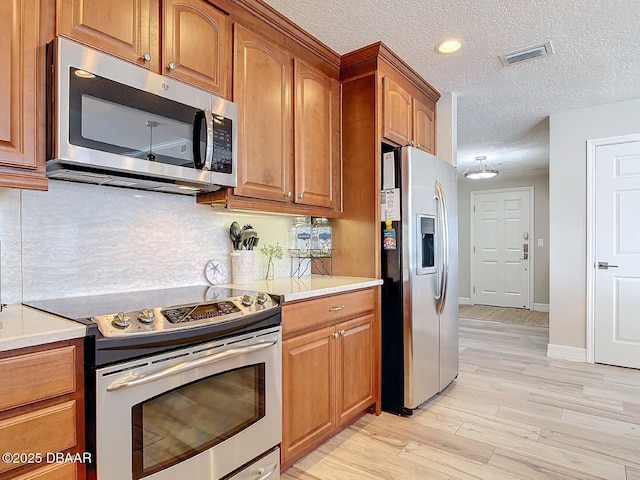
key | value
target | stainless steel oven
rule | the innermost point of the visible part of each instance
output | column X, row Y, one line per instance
column 192, row 389
column 196, row 413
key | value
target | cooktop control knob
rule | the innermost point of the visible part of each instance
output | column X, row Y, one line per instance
column 120, row 320
column 262, row 298
column 146, row 316
column 247, row 301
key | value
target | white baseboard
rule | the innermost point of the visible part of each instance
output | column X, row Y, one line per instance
column 540, row 307
column 464, row 301
column 564, row 352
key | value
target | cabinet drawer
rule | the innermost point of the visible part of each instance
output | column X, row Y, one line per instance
column 37, row 376
column 50, row 429
column 59, row 471
column 326, row 310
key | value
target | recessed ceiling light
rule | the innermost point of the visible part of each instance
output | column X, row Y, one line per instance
column 449, row 45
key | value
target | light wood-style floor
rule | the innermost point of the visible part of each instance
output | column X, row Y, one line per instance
column 512, row 414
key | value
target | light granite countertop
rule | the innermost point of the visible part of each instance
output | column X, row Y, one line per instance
column 293, row 288
column 22, row 326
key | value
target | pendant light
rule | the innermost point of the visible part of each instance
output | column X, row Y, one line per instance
column 481, row 169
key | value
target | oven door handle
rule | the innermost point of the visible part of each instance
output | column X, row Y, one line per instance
column 134, row 380
column 263, row 475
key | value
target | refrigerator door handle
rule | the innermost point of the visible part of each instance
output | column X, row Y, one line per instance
column 441, row 297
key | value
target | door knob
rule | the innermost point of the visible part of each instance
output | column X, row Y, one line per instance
column 605, row 265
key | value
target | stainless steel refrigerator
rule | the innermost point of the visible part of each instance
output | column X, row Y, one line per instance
column 420, row 291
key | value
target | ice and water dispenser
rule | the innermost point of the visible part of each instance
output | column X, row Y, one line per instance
column 427, row 245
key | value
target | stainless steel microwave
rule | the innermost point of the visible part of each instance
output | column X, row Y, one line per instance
column 111, row 122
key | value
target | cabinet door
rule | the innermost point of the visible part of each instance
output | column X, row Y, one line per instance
column 19, row 56
column 195, row 44
column 355, row 381
column 397, row 121
column 262, row 91
column 423, row 127
column 308, row 367
column 125, row 28
column 317, row 133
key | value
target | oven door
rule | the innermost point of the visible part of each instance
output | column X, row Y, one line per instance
column 197, row 413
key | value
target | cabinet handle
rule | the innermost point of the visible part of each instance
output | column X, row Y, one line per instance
column 336, row 309
column 288, row 194
column 146, row 57
column 301, row 195
column 342, row 332
column 171, row 66
column 335, row 335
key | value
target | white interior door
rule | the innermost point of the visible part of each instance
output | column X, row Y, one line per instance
column 617, row 242
column 501, row 254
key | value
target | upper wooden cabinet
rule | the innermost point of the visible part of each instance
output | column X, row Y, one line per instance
column 397, row 121
column 262, row 82
column 385, row 104
column 317, row 129
column 424, row 126
column 195, row 47
column 120, row 27
column 193, row 36
column 21, row 56
column 288, row 132
column 407, row 119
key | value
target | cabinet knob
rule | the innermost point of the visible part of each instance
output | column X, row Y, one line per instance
column 288, row 194
column 342, row 332
column 146, row 57
column 335, row 335
column 301, row 195
column 171, row 66
column 336, row 309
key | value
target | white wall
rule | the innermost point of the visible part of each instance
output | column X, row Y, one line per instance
column 81, row 239
column 539, row 180
column 569, row 133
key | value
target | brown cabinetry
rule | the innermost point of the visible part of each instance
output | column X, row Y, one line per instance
column 125, row 28
column 262, row 83
column 41, row 410
column 317, row 134
column 406, row 119
column 196, row 44
column 330, row 367
column 384, row 104
column 20, row 57
column 189, row 42
column 288, row 132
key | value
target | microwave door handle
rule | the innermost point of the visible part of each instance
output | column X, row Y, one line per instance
column 208, row 157
column 197, row 153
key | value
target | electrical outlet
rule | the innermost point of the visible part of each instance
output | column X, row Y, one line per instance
column 540, row 242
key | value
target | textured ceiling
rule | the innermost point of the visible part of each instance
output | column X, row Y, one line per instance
column 502, row 111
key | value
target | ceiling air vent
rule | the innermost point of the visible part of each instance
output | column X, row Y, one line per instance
column 525, row 54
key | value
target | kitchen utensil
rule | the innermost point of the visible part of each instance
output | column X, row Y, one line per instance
column 235, row 232
column 248, row 237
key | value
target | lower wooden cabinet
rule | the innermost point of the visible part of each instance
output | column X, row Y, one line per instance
column 42, row 412
column 330, row 367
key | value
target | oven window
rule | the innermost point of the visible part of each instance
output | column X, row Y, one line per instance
column 183, row 422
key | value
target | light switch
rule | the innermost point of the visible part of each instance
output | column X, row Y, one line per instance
column 540, row 242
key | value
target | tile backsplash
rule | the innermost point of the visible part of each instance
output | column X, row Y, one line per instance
column 78, row 239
